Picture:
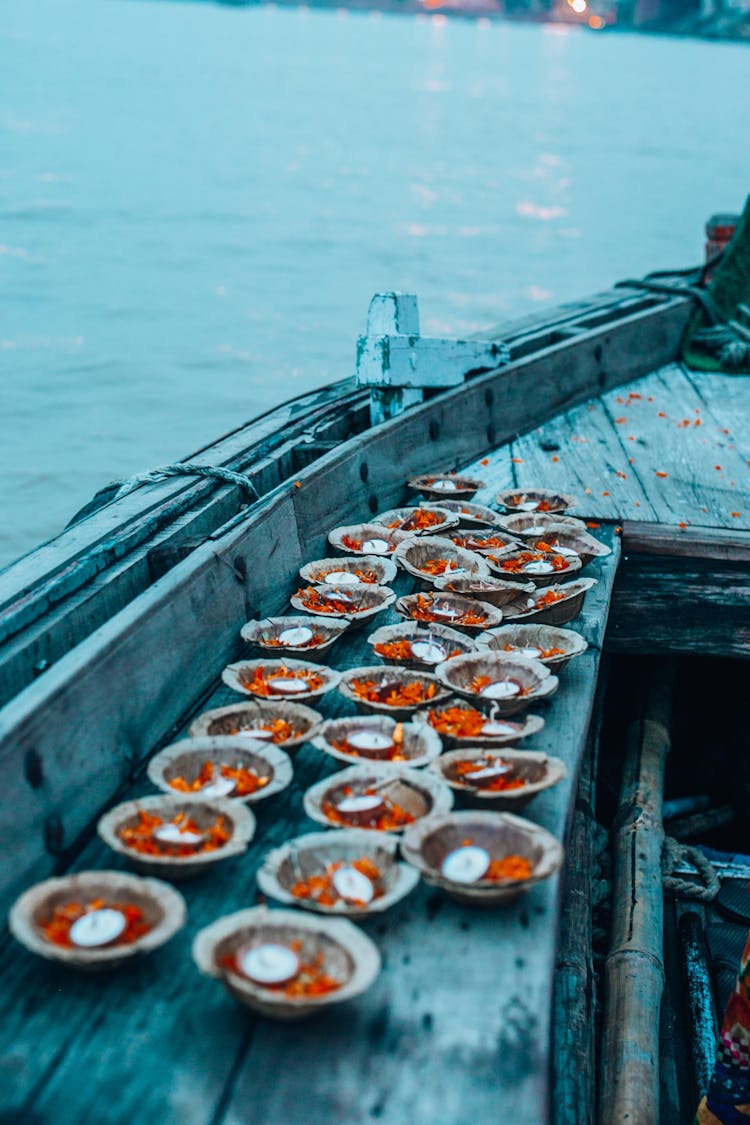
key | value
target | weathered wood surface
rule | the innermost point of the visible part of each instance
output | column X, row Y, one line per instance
column 99, row 704
column 574, row 1060
column 636, row 454
column 704, row 543
column 456, row 1029
column 681, row 605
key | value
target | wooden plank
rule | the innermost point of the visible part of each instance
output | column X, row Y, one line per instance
column 667, row 605
column 688, row 542
column 687, row 472
column 62, row 1042
column 727, row 399
column 580, row 452
column 574, row 1060
column 427, row 1042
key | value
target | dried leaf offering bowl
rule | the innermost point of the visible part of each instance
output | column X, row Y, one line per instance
column 413, row 645
column 469, row 614
column 460, row 723
column 307, row 872
column 566, row 540
column 287, row 636
column 534, row 525
column 536, row 500
column 393, row 691
column 540, row 567
column 486, row 541
column 507, row 779
column 379, row 740
column 44, row 918
column 493, row 591
column 177, row 837
column 432, row 520
column 386, row 799
column 312, row 962
column 280, row 679
column 482, row 858
column 365, row 539
column 555, row 605
column 352, row 604
column 469, row 515
column 362, row 569
column 429, row 557
column 508, row 681
column 554, row 647
column 449, row 486
column 221, row 767
column 288, row 725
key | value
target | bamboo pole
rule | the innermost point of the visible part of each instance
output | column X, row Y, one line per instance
column 634, row 971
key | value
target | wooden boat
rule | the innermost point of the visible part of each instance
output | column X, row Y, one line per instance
column 114, row 637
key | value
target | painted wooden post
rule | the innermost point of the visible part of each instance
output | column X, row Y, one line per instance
column 397, row 363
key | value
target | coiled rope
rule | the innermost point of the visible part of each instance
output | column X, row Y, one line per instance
column 183, row 469
column 674, row 856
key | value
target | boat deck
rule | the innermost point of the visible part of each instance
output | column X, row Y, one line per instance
column 457, row 1027
column 157, row 1041
column 671, row 448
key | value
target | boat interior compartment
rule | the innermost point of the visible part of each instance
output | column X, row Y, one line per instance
column 478, row 1015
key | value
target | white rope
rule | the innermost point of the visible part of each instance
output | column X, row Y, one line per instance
column 187, row 469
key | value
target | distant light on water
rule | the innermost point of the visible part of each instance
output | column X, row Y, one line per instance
column 578, row 6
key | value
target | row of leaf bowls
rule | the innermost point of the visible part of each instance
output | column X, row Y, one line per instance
column 255, row 736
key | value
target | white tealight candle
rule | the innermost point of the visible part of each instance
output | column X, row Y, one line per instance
column 538, row 566
column 342, row 578
column 287, row 686
column 465, row 865
column 500, row 689
column 493, row 729
column 97, row 927
column 537, row 529
column 528, row 505
column 530, row 650
column 352, row 885
column 443, row 485
column 489, row 772
column 361, row 803
column 173, row 834
column 219, row 787
column 342, row 596
column 446, row 611
column 369, row 740
column 376, row 547
column 429, row 652
column 269, row 963
column 299, row 636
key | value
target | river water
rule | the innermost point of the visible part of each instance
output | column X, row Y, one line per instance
column 198, row 202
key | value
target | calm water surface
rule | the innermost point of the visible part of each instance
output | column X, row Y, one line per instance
column 197, row 203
